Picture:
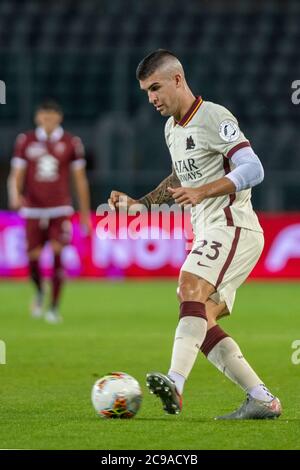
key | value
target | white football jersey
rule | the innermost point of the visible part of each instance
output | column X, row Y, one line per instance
column 201, row 147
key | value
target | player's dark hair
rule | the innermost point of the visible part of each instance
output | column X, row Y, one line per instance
column 152, row 62
column 49, row 105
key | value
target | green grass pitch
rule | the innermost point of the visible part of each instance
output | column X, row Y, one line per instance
column 128, row 326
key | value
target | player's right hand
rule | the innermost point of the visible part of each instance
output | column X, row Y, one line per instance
column 119, row 200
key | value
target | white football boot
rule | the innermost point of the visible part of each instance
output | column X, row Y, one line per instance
column 36, row 307
column 52, row 316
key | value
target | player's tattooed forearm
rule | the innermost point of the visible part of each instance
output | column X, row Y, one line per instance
column 161, row 194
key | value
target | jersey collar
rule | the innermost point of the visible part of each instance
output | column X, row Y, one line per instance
column 191, row 112
column 54, row 137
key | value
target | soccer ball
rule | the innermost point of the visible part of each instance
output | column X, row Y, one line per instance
column 116, row 395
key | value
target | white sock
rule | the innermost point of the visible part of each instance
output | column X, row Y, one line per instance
column 178, row 379
column 228, row 358
column 189, row 336
column 260, row 392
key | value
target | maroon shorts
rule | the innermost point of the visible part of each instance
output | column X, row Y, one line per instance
column 39, row 231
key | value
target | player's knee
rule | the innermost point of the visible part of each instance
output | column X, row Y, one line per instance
column 184, row 292
column 190, row 291
column 34, row 254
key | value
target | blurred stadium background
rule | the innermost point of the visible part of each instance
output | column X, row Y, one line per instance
column 242, row 54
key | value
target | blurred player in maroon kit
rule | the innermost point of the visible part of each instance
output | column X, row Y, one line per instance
column 39, row 186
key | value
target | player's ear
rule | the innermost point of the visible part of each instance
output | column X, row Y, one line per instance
column 178, row 80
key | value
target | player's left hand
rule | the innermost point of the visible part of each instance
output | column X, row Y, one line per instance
column 186, row 196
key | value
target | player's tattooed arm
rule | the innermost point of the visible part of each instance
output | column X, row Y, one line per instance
column 161, row 194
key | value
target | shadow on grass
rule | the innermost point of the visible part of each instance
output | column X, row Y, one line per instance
column 231, row 422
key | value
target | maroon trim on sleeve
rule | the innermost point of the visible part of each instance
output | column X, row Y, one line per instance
column 237, row 147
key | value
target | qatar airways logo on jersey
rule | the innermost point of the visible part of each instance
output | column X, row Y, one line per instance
column 2, row 92
column 187, row 170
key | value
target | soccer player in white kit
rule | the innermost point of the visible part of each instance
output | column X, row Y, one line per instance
column 214, row 168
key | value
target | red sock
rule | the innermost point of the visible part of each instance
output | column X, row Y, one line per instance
column 57, row 281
